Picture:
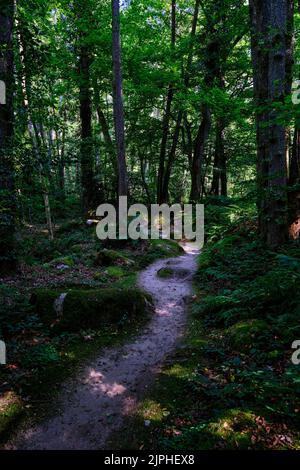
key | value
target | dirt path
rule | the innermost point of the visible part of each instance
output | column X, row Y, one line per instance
column 93, row 405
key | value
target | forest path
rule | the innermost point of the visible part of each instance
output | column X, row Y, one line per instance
column 93, row 405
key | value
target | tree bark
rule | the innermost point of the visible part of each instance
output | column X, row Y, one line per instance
column 7, row 193
column 198, row 154
column 118, row 100
column 219, row 182
column 167, row 116
column 186, row 80
column 294, row 190
column 86, row 144
column 271, row 55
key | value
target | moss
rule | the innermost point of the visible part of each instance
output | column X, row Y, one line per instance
column 110, row 257
column 243, row 334
column 100, row 276
column 157, row 249
column 11, row 408
column 115, row 272
column 126, row 282
column 83, row 309
column 167, row 247
column 165, row 273
column 77, row 248
column 65, row 260
column 234, row 427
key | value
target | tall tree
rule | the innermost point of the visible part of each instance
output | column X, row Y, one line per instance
column 7, row 198
column 118, row 100
column 186, row 82
column 86, row 146
column 271, row 53
column 167, row 116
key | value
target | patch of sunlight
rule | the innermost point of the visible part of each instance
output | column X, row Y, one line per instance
column 153, row 411
column 235, row 426
column 10, row 408
column 177, row 370
column 7, row 399
column 70, row 355
column 99, row 383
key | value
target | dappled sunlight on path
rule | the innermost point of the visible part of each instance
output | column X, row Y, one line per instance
column 94, row 404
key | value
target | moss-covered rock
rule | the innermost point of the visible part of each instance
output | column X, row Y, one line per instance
column 100, row 276
column 165, row 273
column 244, row 334
column 111, row 257
column 68, row 261
column 115, row 272
column 81, row 309
column 166, row 247
column 157, row 249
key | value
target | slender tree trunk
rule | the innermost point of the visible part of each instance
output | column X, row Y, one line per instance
column 271, row 53
column 294, row 180
column 48, row 215
column 219, row 182
column 143, row 175
column 294, row 183
column 294, row 173
column 198, row 154
column 61, row 166
column 118, row 100
column 7, row 196
column 86, row 146
column 172, row 154
column 167, row 116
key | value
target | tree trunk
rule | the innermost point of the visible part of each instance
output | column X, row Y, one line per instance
column 7, row 196
column 86, row 145
column 271, row 54
column 198, row 154
column 219, row 182
column 186, row 80
column 294, row 183
column 48, row 215
column 118, row 100
column 167, row 116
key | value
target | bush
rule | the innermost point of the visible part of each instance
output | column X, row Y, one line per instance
column 40, row 356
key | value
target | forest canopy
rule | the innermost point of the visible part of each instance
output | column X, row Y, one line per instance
column 164, row 101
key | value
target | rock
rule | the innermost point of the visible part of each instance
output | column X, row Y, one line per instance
column 89, row 309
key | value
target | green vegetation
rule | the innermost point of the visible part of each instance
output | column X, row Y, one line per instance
column 231, row 384
column 162, row 102
column 165, row 273
column 83, row 309
column 103, row 308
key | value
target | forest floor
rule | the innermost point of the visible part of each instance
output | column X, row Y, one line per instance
column 92, row 406
column 219, row 377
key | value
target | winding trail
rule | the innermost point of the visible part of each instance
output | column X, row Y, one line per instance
column 94, row 404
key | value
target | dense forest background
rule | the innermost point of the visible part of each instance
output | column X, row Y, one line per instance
column 189, row 130
column 165, row 101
